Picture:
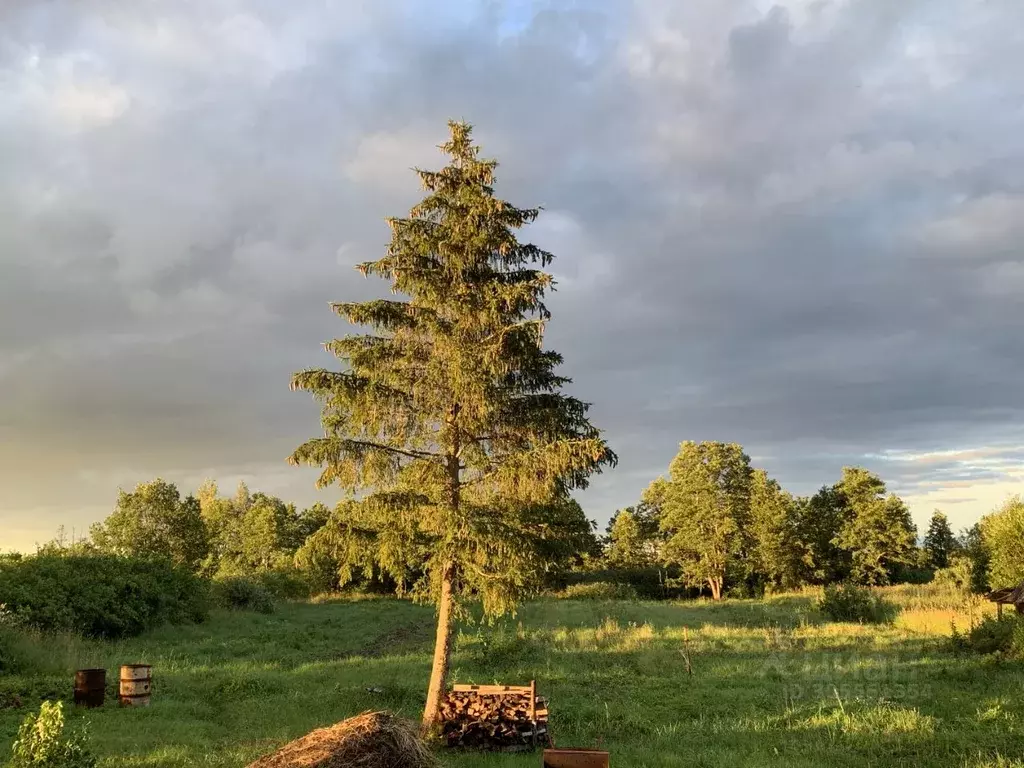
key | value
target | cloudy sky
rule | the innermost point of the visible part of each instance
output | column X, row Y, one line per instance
column 794, row 225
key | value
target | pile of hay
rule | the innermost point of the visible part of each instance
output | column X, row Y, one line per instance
column 371, row 740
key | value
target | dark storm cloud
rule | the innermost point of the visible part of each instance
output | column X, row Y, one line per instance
column 792, row 225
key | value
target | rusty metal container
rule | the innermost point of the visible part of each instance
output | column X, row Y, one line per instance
column 90, row 687
column 136, row 684
column 575, row 758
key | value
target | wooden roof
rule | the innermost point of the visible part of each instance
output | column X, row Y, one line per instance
column 1008, row 595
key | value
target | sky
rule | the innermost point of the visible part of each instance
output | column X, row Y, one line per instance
column 795, row 225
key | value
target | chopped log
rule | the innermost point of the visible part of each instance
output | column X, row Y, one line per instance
column 503, row 718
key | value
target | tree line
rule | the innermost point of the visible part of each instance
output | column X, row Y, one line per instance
column 209, row 534
column 725, row 524
column 254, row 533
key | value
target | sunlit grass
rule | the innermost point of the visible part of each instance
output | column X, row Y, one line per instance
column 773, row 683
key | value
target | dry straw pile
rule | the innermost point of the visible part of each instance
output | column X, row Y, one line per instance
column 371, row 740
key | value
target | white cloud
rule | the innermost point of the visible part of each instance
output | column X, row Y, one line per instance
column 382, row 160
column 83, row 105
column 976, row 226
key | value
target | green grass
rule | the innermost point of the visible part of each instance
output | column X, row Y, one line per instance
column 772, row 683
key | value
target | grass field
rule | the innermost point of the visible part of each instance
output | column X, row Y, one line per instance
column 772, row 683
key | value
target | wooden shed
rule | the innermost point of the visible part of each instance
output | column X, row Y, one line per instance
column 1008, row 596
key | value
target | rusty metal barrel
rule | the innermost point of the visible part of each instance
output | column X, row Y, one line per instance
column 90, row 687
column 136, row 684
column 575, row 758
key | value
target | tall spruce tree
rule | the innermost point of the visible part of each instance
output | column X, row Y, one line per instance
column 448, row 424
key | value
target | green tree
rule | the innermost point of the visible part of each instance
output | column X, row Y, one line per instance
column 267, row 534
column 879, row 533
column 775, row 550
column 940, row 543
column 222, row 519
column 637, row 542
column 565, row 536
column 243, row 499
column 448, row 420
column 154, row 521
column 1002, row 533
column 705, row 506
column 819, row 520
column 972, row 544
column 308, row 522
column 627, row 544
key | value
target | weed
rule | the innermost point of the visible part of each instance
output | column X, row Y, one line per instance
column 42, row 743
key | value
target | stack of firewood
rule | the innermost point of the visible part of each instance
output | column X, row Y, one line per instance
column 494, row 717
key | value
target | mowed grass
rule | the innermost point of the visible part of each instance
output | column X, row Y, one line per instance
column 772, row 683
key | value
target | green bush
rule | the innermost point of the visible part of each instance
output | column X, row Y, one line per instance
column 648, row 583
column 241, row 593
column 957, row 575
column 992, row 635
column 41, row 742
column 100, row 595
column 600, row 590
column 849, row 602
column 284, row 585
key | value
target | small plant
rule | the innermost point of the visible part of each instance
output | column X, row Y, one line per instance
column 600, row 590
column 240, row 593
column 42, row 743
column 849, row 602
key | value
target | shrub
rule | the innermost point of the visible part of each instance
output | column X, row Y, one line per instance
column 648, row 583
column 100, row 595
column 957, row 575
column 41, row 742
column 991, row 635
column 284, row 585
column 849, row 602
column 600, row 590
column 241, row 593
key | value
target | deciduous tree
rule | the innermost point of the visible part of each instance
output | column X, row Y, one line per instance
column 1002, row 532
column 776, row 553
column 705, row 505
column 819, row 520
column 878, row 533
column 627, row 544
column 154, row 521
column 939, row 542
column 972, row 543
column 448, row 420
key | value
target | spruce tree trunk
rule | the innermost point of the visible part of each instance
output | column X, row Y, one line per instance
column 442, row 654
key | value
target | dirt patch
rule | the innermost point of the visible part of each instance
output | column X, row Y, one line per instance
column 403, row 639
